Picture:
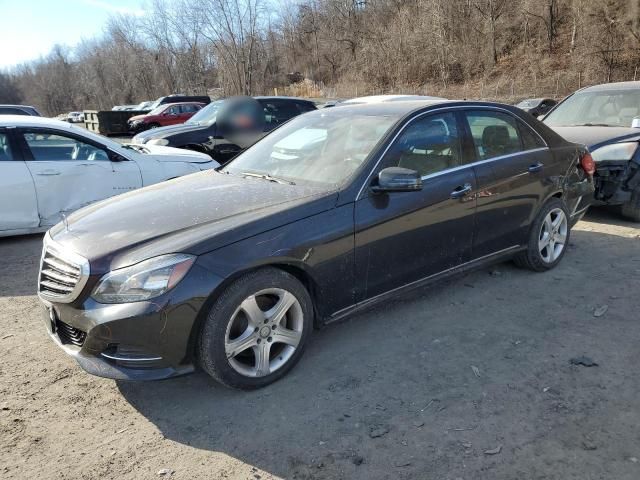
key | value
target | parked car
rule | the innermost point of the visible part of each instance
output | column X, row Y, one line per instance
column 117, row 108
column 386, row 98
column 230, row 269
column 49, row 168
column 179, row 99
column 19, row 110
column 75, row 117
column 144, row 106
column 202, row 133
column 164, row 115
column 537, row 106
column 606, row 118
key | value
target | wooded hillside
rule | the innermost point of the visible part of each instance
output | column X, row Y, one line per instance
column 339, row 48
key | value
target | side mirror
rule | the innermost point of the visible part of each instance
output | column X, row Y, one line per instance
column 635, row 123
column 398, row 179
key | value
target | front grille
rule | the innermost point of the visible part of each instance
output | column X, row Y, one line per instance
column 62, row 274
column 69, row 334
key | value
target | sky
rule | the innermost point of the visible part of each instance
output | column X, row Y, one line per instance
column 30, row 28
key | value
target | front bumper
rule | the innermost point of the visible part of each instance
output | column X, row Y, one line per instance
column 149, row 340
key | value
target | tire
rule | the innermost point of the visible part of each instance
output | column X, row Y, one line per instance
column 236, row 338
column 153, row 125
column 631, row 209
column 537, row 256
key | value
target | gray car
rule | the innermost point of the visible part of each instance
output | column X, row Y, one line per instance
column 606, row 118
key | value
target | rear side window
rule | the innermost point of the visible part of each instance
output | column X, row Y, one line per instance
column 428, row 145
column 530, row 139
column 304, row 107
column 12, row 111
column 5, row 148
column 494, row 134
column 190, row 108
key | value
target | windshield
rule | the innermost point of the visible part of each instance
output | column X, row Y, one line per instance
column 207, row 115
column 610, row 108
column 318, row 148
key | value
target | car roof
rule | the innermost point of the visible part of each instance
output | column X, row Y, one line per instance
column 612, row 86
column 384, row 108
column 279, row 97
column 388, row 98
column 18, row 106
column 180, row 103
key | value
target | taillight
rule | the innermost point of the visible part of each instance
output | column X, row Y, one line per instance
column 587, row 163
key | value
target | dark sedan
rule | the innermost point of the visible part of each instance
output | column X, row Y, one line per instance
column 203, row 131
column 606, row 118
column 230, row 270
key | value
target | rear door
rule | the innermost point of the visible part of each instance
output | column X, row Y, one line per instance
column 403, row 237
column 510, row 163
column 18, row 205
column 70, row 172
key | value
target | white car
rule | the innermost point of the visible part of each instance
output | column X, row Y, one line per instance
column 49, row 168
column 75, row 117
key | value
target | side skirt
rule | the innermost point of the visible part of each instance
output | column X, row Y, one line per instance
column 436, row 277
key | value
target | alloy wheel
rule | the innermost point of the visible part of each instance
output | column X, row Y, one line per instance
column 553, row 235
column 264, row 332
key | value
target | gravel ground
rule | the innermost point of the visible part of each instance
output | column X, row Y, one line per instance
column 470, row 379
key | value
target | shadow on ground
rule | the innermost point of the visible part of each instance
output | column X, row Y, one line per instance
column 19, row 265
column 392, row 392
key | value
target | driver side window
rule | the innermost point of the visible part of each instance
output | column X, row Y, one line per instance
column 428, row 145
column 45, row 146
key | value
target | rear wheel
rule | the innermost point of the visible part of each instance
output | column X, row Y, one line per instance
column 257, row 329
column 631, row 209
column 548, row 238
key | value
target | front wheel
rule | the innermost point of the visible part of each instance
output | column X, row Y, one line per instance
column 256, row 330
column 548, row 238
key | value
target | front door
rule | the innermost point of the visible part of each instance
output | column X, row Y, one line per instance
column 69, row 173
column 403, row 237
column 18, row 207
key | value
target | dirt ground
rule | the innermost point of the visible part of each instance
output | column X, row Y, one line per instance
column 466, row 380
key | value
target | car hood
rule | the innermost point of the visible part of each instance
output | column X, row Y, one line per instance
column 170, row 154
column 163, row 132
column 192, row 214
column 137, row 117
column 595, row 137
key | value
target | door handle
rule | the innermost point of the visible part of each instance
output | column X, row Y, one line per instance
column 48, row 172
column 461, row 191
column 536, row 167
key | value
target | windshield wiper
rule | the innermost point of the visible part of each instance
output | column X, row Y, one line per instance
column 266, row 176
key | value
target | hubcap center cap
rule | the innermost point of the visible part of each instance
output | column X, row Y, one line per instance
column 265, row 332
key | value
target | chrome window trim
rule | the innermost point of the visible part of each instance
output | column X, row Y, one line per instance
column 459, row 167
column 49, row 245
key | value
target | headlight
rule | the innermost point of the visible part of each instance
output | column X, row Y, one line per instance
column 617, row 151
column 144, row 280
column 159, row 141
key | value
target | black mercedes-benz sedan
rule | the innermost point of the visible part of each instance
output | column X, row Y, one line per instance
column 335, row 211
